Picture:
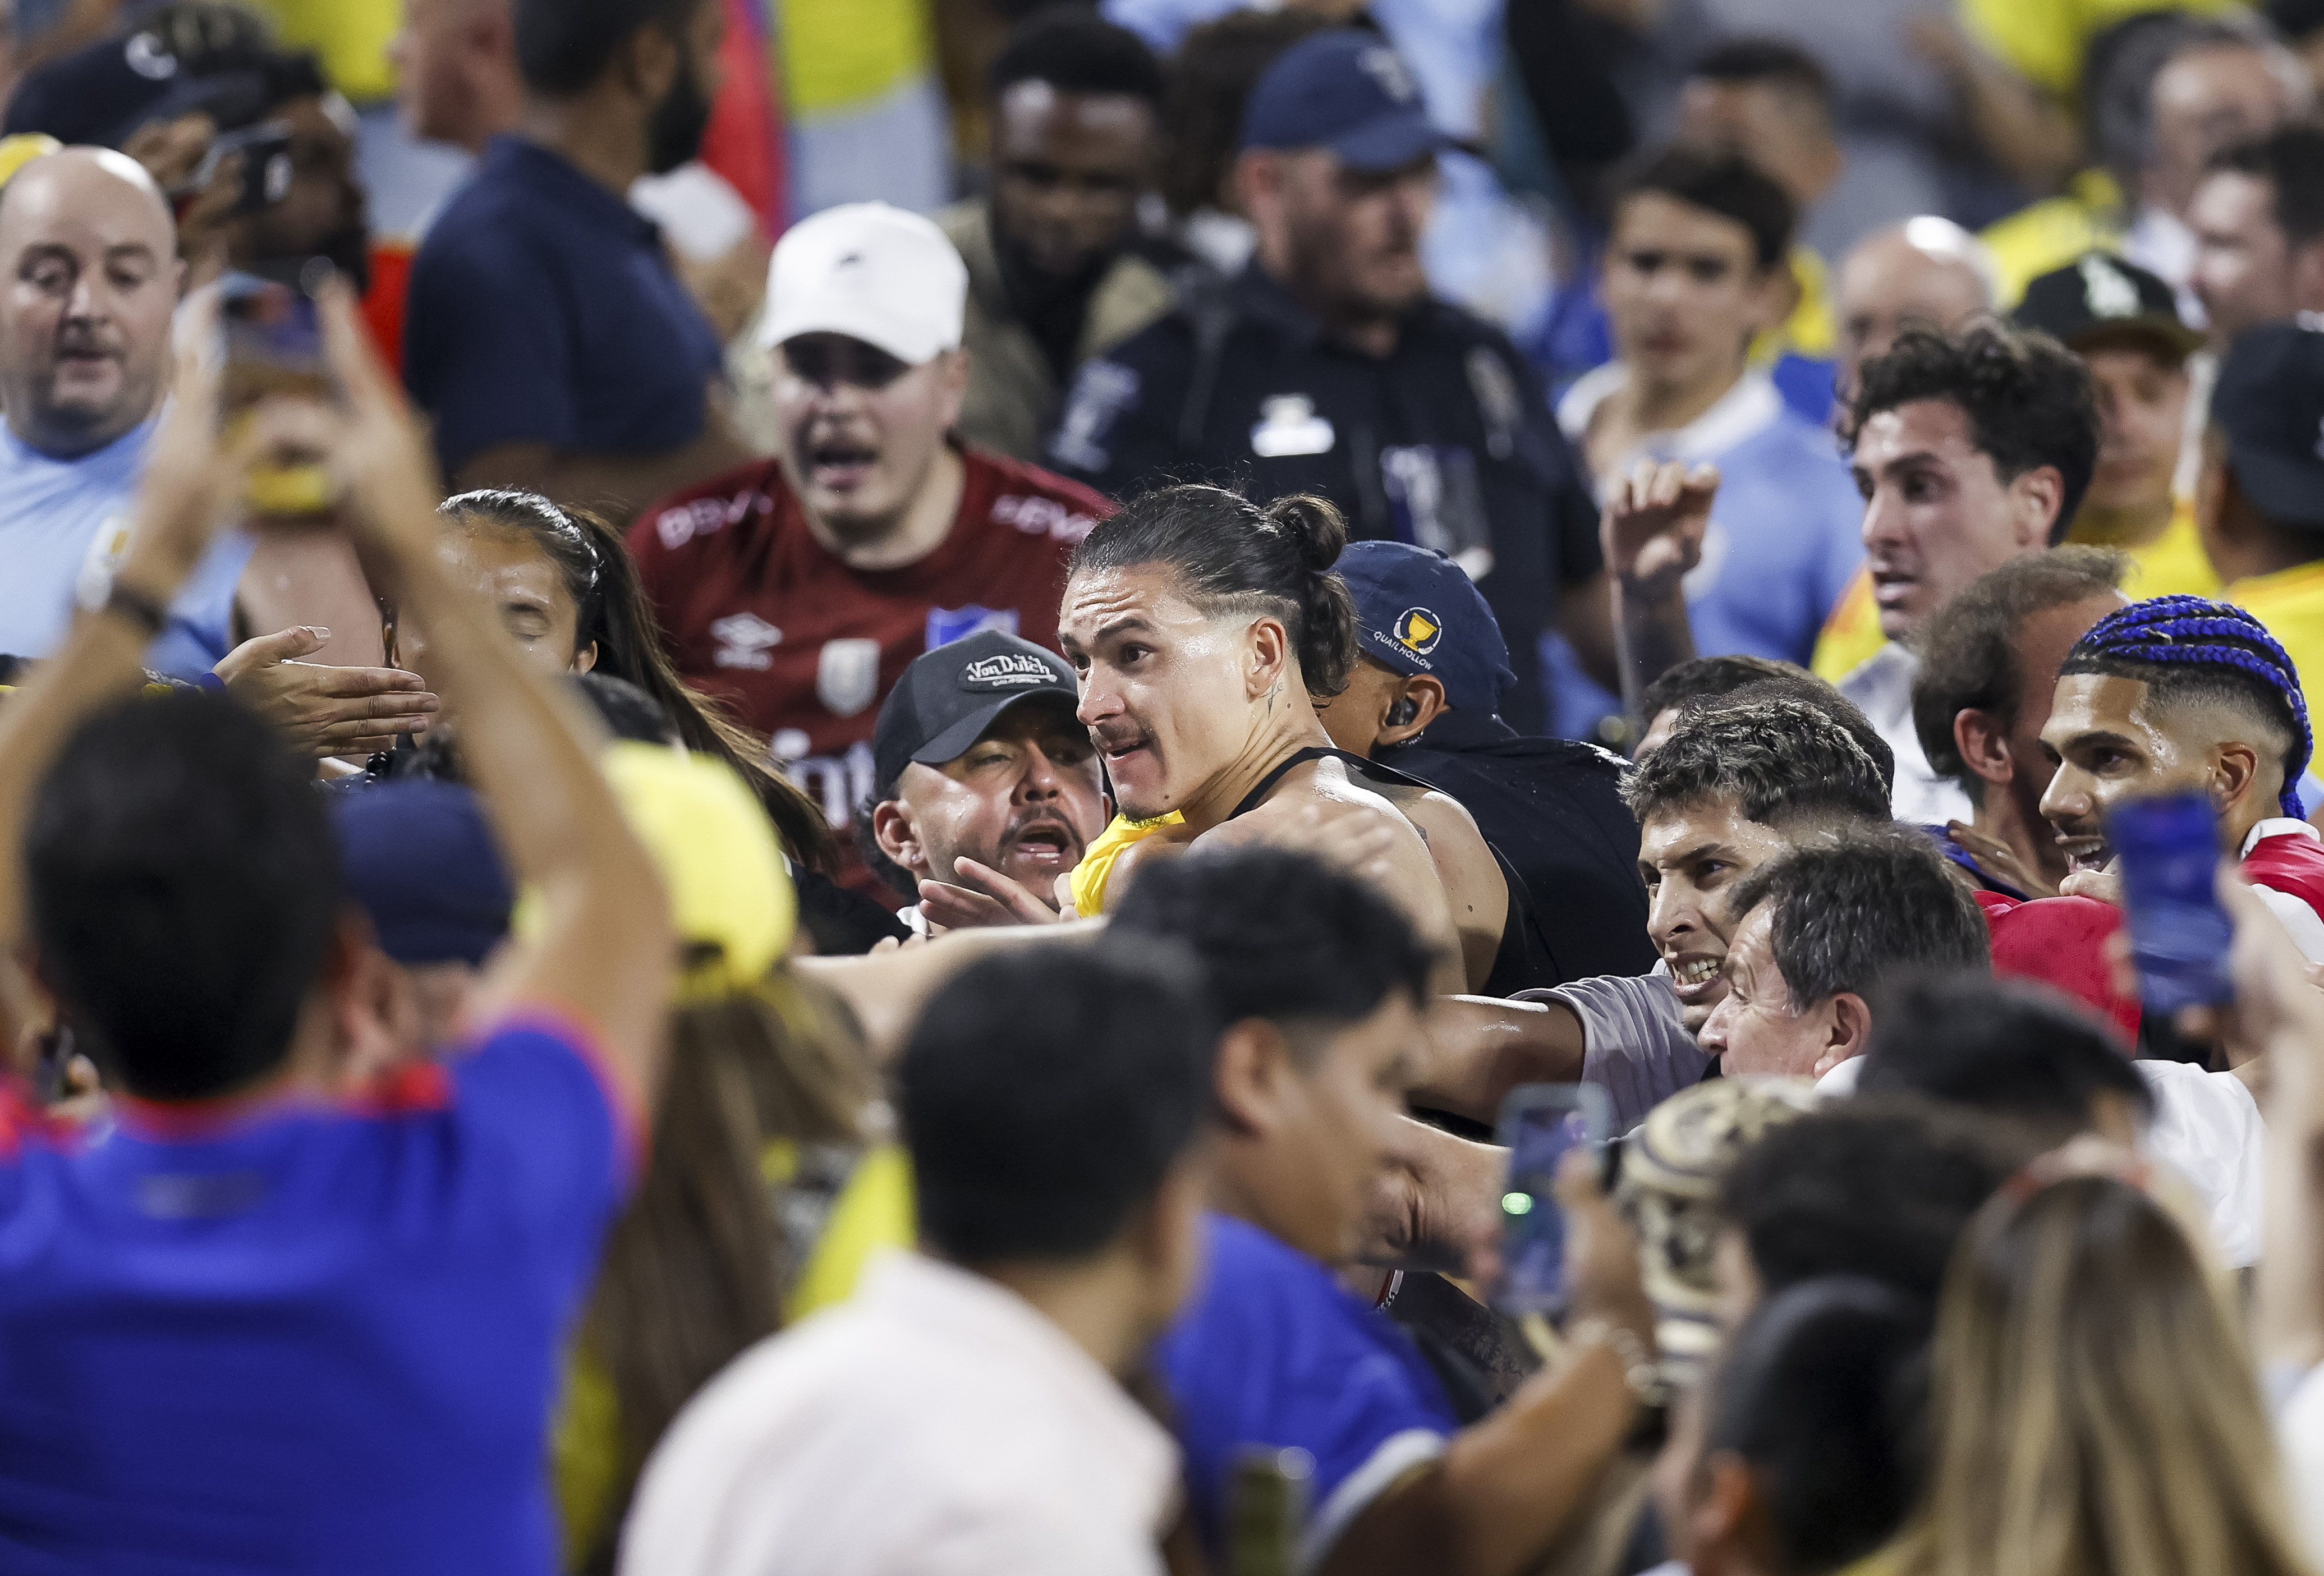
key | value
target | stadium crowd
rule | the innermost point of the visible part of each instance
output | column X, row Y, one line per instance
column 956, row 787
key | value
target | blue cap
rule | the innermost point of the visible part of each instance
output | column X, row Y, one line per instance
column 419, row 860
column 1418, row 612
column 1346, row 91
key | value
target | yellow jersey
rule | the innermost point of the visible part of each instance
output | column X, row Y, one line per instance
column 351, row 36
column 2046, row 40
column 873, row 1213
column 2290, row 603
column 1090, row 877
column 2173, row 564
column 1851, row 634
column 2051, row 233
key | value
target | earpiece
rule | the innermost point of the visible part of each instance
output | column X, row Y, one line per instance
column 1405, row 710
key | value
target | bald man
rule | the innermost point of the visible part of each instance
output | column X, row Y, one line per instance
column 88, row 254
column 1926, row 271
column 91, row 254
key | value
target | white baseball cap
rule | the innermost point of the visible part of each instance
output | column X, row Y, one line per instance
column 873, row 272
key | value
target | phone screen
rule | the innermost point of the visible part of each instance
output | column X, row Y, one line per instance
column 2169, row 852
column 1541, row 1124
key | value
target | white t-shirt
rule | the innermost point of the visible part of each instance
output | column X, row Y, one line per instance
column 1881, row 685
column 2207, row 1127
column 936, row 1424
column 2300, row 1429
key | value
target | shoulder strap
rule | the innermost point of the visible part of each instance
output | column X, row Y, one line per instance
column 1354, row 763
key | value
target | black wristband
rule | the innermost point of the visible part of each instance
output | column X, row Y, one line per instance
column 149, row 613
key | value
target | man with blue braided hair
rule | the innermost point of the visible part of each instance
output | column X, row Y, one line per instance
column 2179, row 692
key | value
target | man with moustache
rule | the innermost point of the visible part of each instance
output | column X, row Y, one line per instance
column 547, row 336
column 983, row 771
column 797, row 589
column 1326, row 367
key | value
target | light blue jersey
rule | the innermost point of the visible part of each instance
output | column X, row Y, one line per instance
column 59, row 519
column 1785, row 537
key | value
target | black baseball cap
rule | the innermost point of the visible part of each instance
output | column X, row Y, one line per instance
column 948, row 696
column 1417, row 611
column 2269, row 403
column 2099, row 295
column 1346, row 90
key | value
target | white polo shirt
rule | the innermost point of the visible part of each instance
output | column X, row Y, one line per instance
column 937, row 1424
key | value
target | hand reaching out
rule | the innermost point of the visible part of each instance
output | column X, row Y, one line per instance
column 984, row 896
column 1653, row 527
column 324, row 710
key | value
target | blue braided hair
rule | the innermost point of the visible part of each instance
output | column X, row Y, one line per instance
column 2182, row 643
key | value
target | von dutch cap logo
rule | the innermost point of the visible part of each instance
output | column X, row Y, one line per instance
column 1007, row 670
column 1417, row 630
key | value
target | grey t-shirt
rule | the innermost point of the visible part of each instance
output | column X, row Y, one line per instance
column 1635, row 1047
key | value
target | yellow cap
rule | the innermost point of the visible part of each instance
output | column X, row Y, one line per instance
column 728, row 886
column 22, row 149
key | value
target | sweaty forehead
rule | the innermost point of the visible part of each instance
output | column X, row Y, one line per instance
column 1937, row 429
column 2098, row 703
column 1683, row 829
column 1095, row 598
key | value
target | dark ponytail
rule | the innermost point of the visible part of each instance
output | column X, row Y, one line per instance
column 1233, row 557
column 602, row 578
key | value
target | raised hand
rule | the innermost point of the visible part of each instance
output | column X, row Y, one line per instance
column 324, row 710
column 1652, row 526
column 984, row 896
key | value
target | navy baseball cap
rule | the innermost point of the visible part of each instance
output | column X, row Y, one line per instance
column 1344, row 90
column 2269, row 403
column 948, row 696
column 1417, row 611
column 421, row 862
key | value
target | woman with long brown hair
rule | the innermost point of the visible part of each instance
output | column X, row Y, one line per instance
column 766, row 1182
column 2096, row 1409
column 567, row 590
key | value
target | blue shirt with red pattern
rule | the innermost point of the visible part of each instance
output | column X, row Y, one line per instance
column 294, row 1336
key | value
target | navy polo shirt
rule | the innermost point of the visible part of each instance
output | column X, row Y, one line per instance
column 543, row 310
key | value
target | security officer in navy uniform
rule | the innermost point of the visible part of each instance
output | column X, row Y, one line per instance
column 1326, row 367
column 1430, row 678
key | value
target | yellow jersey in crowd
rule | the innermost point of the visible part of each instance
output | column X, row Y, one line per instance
column 2172, row 565
column 2290, row 603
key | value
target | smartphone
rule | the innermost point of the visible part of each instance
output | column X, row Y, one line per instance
column 2167, row 849
column 273, row 346
column 267, row 167
column 1540, row 1125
